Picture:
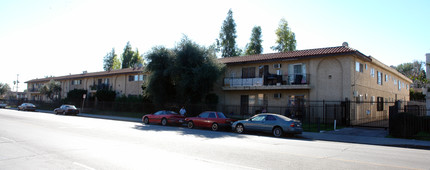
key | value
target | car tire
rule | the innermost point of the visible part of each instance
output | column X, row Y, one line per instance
column 164, row 122
column 190, row 124
column 146, row 120
column 239, row 128
column 64, row 112
column 215, row 127
column 277, row 132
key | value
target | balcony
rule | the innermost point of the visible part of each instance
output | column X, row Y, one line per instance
column 269, row 82
column 33, row 90
column 103, row 86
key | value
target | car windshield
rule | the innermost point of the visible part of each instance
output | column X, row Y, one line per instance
column 221, row 115
column 171, row 113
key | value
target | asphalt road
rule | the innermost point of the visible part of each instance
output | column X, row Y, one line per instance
column 32, row 140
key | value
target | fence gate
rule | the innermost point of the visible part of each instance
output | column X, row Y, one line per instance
column 370, row 114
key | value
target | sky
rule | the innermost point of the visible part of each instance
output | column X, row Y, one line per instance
column 61, row 37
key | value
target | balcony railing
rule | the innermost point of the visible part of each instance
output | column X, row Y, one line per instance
column 270, row 80
column 33, row 90
column 102, row 86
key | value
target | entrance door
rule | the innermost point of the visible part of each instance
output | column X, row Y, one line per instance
column 244, row 104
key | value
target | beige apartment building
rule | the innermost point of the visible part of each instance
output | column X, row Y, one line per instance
column 324, row 74
column 126, row 82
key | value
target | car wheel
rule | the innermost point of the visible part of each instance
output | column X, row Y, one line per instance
column 277, row 132
column 239, row 128
column 146, row 120
column 55, row 112
column 64, row 112
column 164, row 121
column 215, row 127
column 190, row 124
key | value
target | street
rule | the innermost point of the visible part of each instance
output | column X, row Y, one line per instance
column 33, row 140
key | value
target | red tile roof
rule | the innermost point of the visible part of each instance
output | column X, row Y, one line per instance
column 94, row 74
column 318, row 52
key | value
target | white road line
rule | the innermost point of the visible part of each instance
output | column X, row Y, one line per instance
column 7, row 139
column 84, row 166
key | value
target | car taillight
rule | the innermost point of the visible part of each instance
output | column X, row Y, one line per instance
column 292, row 125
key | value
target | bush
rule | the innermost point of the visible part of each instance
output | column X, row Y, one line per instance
column 106, row 95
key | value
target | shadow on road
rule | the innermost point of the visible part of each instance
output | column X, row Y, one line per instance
column 207, row 133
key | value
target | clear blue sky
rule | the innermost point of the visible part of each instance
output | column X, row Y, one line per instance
column 57, row 37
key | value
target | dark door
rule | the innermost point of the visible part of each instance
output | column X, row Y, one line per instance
column 244, row 104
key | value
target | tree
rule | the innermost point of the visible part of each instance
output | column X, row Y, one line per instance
column 159, row 87
column 196, row 71
column 286, row 38
column 105, row 95
column 51, row 89
column 185, row 74
column 111, row 61
column 4, row 88
column 414, row 71
column 227, row 37
column 255, row 47
column 129, row 58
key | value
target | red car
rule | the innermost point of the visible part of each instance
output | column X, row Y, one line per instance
column 210, row 119
column 164, row 117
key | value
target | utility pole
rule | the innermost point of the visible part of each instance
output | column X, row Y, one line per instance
column 17, row 82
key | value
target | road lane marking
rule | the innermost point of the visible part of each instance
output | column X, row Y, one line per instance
column 8, row 140
column 84, row 166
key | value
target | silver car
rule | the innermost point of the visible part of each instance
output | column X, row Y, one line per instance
column 276, row 124
column 27, row 106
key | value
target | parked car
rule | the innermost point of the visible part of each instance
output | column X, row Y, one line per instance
column 66, row 109
column 210, row 119
column 276, row 124
column 3, row 105
column 27, row 106
column 164, row 117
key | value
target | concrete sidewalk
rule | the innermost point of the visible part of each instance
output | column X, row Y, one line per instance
column 372, row 136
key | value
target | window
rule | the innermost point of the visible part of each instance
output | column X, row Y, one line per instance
column 400, row 85
column 141, row 77
column 379, row 78
column 386, row 78
column 248, row 72
column 358, row 67
column 270, row 118
column 262, row 100
column 136, row 77
column 204, row 115
column 380, row 104
column 106, row 81
column 279, row 72
column 130, row 78
column 258, row 118
column 263, row 70
column 212, row 115
column 372, row 72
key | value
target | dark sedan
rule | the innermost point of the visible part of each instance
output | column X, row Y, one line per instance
column 66, row 110
column 276, row 124
column 210, row 119
column 27, row 107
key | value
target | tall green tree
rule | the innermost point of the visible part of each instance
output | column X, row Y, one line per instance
column 414, row 71
column 185, row 74
column 159, row 86
column 137, row 58
column 196, row 71
column 255, row 47
column 51, row 89
column 286, row 40
column 111, row 61
column 4, row 88
column 227, row 37
column 129, row 58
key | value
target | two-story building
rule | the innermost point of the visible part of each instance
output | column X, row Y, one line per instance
column 324, row 74
column 126, row 82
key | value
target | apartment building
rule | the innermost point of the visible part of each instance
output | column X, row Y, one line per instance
column 126, row 82
column 324, row 74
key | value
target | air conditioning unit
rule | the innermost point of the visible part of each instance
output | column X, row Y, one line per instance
column 277, row 95
column 277, row 65
column 355, row 93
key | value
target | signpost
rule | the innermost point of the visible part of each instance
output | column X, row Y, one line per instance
column 83, row 101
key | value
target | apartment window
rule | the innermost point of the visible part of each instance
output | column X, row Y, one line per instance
column 248, row 72
column 380, row 104
column 106, row 81
column 372, row 72
column 140, row 77
column 400, row 85
column 136, row 77
column 358, row 67
column 386, row 78
column 262, row 100
column 379, row 77
column 75, row 82
column 279, row 72
column 130, row 78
